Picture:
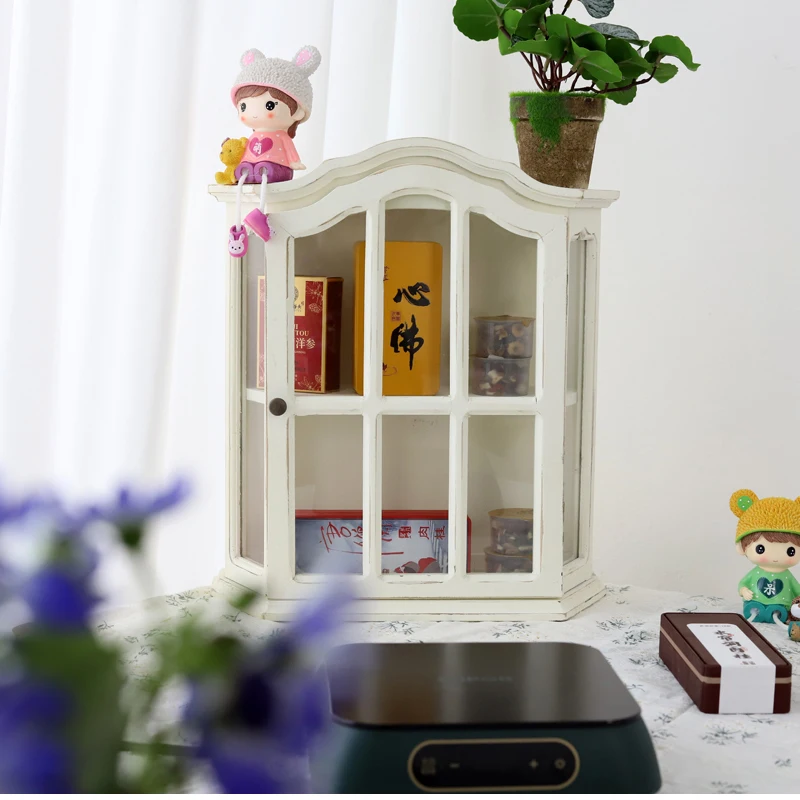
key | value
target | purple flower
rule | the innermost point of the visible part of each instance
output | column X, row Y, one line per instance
column 14, row 510
column 320, row 616
column 25, row 702
column 58, row 598
column 59, row 593
column 33, row 758
column 258, row 723
column 254, row 701
column 131, row 507
column 241, row 765
column 301, row 717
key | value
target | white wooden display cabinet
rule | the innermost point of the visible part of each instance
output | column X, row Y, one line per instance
column 511, row 246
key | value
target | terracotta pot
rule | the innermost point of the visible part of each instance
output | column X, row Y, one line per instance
column 556, row 134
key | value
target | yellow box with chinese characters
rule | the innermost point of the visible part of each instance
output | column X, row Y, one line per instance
column 412, row 318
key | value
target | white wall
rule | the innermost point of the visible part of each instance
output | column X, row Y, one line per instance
column 698, row 390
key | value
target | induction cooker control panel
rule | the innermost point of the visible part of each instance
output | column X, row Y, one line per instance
column 487, row 764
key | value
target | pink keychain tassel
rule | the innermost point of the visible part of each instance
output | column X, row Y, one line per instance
column 237, row 237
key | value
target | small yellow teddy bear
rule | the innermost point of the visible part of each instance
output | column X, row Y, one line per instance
column 231, row 155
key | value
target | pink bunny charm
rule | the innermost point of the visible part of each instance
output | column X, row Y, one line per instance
column 237, row 241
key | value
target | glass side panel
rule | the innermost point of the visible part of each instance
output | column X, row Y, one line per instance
column 415, row 494
column 502, row 299
column 253, row 306
column 500, row 493
column 253, row 482
column 576, row 306
column 328, row 494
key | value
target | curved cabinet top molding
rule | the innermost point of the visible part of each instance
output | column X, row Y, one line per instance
column 503, row 175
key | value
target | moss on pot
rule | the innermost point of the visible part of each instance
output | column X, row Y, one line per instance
column 547, row 112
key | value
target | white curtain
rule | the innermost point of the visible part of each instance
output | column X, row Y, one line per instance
column 112, row 272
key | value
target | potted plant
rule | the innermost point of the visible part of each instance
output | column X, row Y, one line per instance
column 575, row 68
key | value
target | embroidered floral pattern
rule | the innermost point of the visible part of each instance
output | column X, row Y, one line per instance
column 624, row 626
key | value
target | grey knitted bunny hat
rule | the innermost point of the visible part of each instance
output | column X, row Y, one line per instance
column 288, row 76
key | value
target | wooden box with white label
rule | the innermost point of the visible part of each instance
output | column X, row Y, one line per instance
column 725, row 665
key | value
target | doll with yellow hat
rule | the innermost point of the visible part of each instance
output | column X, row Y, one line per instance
column 768, row 534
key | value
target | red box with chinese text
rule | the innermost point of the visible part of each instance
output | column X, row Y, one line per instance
column 411, row 541
column 317, row 333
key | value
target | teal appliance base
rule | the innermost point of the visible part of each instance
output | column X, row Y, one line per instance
column 482, row 717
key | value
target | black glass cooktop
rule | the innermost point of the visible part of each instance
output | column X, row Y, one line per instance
column 483, row 684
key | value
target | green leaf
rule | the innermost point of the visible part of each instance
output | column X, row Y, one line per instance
column 504, row 44
column 671, row 46
column 477, row 19
column 597, row 65
column 623, row 98
column 567, row 28
column 132, row 535
column 557, row 25
column 549, row 48
column 599, row 8
column 618, row 32
column 585, row 35
column 511, row 19
column 245, row 599
column 665, row 72
column 529, row 22
column 631, row 64
column 191, row 652
column 89, row 673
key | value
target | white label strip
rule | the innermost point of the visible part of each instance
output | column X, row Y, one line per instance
column 747, row 683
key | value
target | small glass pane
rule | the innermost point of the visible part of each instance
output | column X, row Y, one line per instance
column 502, row 299
column 416, row 300
column 576, row 306
column 322, row 346
column 415, row 494
column 253, row 483
column 500, row 493
column 328, row 494
column 254, row 299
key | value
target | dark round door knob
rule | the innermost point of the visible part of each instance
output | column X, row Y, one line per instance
column 277, row 406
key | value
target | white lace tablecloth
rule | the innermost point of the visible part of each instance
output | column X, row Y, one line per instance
column 697, row 752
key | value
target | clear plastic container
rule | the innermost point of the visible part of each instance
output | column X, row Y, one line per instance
column 496, row 562
column 499, row 377
column 512, row 531
column 506, row 337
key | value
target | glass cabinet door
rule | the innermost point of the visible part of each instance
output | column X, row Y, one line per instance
column 409, row 406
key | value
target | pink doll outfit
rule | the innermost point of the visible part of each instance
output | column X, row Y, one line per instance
column 271, row 151
column 274, row 152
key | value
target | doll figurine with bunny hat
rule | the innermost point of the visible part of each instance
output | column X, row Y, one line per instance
column 768, row 534
column 272, row 97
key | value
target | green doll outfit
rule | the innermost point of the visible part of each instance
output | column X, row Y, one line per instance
column 772, row 592
column 777, row 588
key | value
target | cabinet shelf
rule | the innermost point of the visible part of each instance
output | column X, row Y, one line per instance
column 344, row 403
column 351, row 403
